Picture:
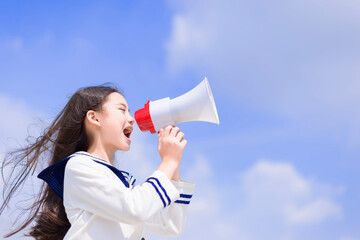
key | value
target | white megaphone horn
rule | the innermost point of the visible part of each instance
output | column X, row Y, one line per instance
column 196, row 105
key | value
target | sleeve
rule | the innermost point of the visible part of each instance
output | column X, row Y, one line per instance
column 171, row 220
column 87, row 186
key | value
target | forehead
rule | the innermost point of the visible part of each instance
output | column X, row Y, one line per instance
column 115, row 98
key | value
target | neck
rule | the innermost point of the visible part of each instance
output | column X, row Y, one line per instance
column 99, row 151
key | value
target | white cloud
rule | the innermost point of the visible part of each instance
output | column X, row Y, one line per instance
column 314, row 212
column 295, row 58
column 188, row 42
column 208, row 201
column 279, row 200
column 18, row 121
column 201, row 169
column 270, row 200
column 265, row 176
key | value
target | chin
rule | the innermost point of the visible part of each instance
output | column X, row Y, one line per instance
column 124, row 148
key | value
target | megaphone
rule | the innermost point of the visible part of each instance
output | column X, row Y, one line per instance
column 196, row 105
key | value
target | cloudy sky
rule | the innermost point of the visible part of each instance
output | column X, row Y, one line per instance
column 285, row 75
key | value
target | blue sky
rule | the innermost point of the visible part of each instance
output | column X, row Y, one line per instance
column 284, row 161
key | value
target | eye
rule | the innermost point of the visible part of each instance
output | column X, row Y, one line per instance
column 122, row 109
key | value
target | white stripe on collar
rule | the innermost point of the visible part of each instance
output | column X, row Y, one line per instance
column 87, row 154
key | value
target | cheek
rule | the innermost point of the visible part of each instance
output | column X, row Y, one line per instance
column 116, row 126
column 111, row 127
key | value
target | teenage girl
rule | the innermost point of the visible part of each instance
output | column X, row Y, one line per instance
column 84, row 196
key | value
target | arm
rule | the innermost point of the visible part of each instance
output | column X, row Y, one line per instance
column 170, row 221
column 87, row 186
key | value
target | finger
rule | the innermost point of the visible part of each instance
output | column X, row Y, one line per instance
column 160, row 132
column 167, row 130
column 184, row 142
column 174, row 131
column 180, row 136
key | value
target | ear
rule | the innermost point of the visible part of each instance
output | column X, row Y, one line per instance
column 93, row 118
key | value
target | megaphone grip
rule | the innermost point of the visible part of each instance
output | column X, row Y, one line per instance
column 143, row 119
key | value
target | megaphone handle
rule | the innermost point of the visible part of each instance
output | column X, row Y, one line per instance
column 173, row 125
column 164, row 125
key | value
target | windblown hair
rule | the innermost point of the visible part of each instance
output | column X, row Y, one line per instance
column 65, row 135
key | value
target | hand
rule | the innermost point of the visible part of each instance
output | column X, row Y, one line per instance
column 171, row 145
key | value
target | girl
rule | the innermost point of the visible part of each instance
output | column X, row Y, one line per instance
column 85, row 196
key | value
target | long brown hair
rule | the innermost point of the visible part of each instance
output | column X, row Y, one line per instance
column 65, row 135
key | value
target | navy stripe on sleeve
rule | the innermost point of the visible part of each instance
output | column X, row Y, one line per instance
column 182, row 202
column 157, row 190
column 184, row 199
column 185, row 195
column 162, row 188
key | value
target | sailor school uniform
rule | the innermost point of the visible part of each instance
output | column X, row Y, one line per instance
column 102, row 202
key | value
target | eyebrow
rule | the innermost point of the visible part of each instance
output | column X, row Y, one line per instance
column 123, row 105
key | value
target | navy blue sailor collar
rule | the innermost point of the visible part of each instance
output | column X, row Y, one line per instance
column 54, row 174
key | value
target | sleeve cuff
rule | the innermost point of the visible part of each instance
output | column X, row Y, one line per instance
column 164, row 187
column 186, row 190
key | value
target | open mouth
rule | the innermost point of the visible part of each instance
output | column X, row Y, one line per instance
column 128, row 131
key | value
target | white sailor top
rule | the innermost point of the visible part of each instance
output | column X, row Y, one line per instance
column 102, row 202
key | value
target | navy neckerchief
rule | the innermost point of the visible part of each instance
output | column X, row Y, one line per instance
column 54, row 175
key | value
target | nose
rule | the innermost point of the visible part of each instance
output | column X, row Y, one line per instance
column 131, row 120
